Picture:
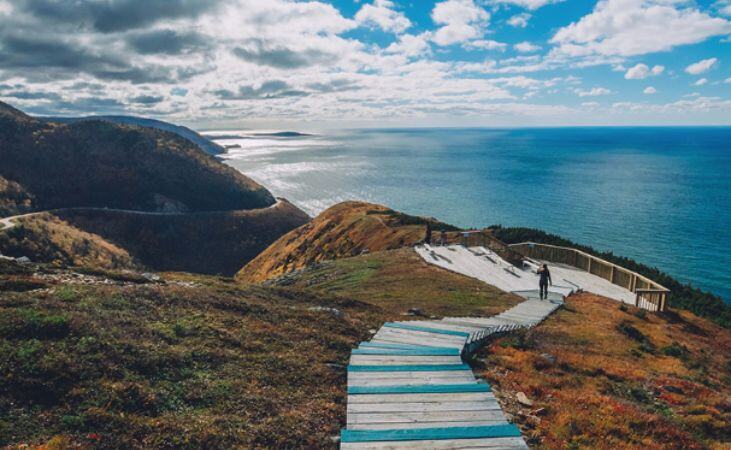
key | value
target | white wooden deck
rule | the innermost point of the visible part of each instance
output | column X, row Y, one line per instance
column 487, row 266
column 408, row 387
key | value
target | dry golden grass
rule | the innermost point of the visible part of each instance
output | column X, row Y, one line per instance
column 47, row 238
column 346, row 229
column 621, row 379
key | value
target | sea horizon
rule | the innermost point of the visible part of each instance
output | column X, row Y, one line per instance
column 316, row 171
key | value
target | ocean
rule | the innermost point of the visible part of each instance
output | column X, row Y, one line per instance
column 661, row 196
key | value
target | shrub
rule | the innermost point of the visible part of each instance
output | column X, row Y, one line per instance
column 31, row 324
column 676, row 351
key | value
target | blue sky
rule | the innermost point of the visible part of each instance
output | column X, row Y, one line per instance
column 309, row 64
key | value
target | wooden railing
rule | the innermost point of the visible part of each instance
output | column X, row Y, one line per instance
column 649, row 294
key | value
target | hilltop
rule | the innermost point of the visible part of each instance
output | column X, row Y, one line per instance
column 201, row 141
column 346, row 229
column 97, row 163
column 124, row 194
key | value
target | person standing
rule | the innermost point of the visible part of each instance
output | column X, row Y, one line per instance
column 427, row 239
column 544, row 281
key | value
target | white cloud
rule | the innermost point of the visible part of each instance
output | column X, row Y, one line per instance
column 519, row 20
column 701, row 82
column 411, row 45
column 727, row 80
column 381, row 14
column 701, row 66
column 650, row 90
column 593, row 92
column 528, row 4
column 486, row 44
column 459, row 20
column 526, row 47
column 724, row 7
column 642, row 71
column 6, row 7
column 637, row 27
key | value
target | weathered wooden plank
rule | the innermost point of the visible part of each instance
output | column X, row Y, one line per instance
column 422, row 389
column 513, row 443
column 411, row 375
column 395, row 352
column 411, row 381
column 424, row 338
column 403, row 359
column 430, row 329
column 423, row 416
column 423, row 407
column 421, row 398
column 424, row 368
column 404, row 337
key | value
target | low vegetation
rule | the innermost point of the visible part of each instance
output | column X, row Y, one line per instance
column 48, row 238
column 194, row 362
column 207, row 243
column 600, row 375
column 344, row 230
column 400, row 280
column 682, row 295
column 108, row 360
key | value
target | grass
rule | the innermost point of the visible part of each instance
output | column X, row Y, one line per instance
column 398, row 280
column 213, row 365
column 204, row 362
column 618, row 381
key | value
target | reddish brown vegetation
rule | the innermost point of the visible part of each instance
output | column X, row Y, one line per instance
column 611, row 378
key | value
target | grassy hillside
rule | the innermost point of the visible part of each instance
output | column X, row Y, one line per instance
column 603, row 376
column 212, row 243
column 682, row 295
column 209, row 243
column 14, row 198
column 108, row 360
column 98, row 163
column 201, row 141
column 398, row 280
column 346, row 229
column 48, row 238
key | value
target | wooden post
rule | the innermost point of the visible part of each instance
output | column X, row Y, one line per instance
column 611, row 277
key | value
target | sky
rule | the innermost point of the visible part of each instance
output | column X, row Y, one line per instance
column 371, row 63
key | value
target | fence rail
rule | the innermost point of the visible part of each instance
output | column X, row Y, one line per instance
column 649, row 294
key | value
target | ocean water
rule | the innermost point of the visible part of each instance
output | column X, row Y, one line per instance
column 659, row 195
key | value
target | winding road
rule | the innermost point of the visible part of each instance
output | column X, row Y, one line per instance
column 7, row 223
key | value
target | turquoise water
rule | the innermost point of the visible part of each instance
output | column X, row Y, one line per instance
column 659, row 195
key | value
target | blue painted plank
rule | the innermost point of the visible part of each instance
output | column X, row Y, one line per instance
column 405, row 326
column 407, row 368
column 420, row 389
column 396, row 352
column 430, row 434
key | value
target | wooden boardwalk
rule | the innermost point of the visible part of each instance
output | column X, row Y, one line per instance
column 408, row 387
